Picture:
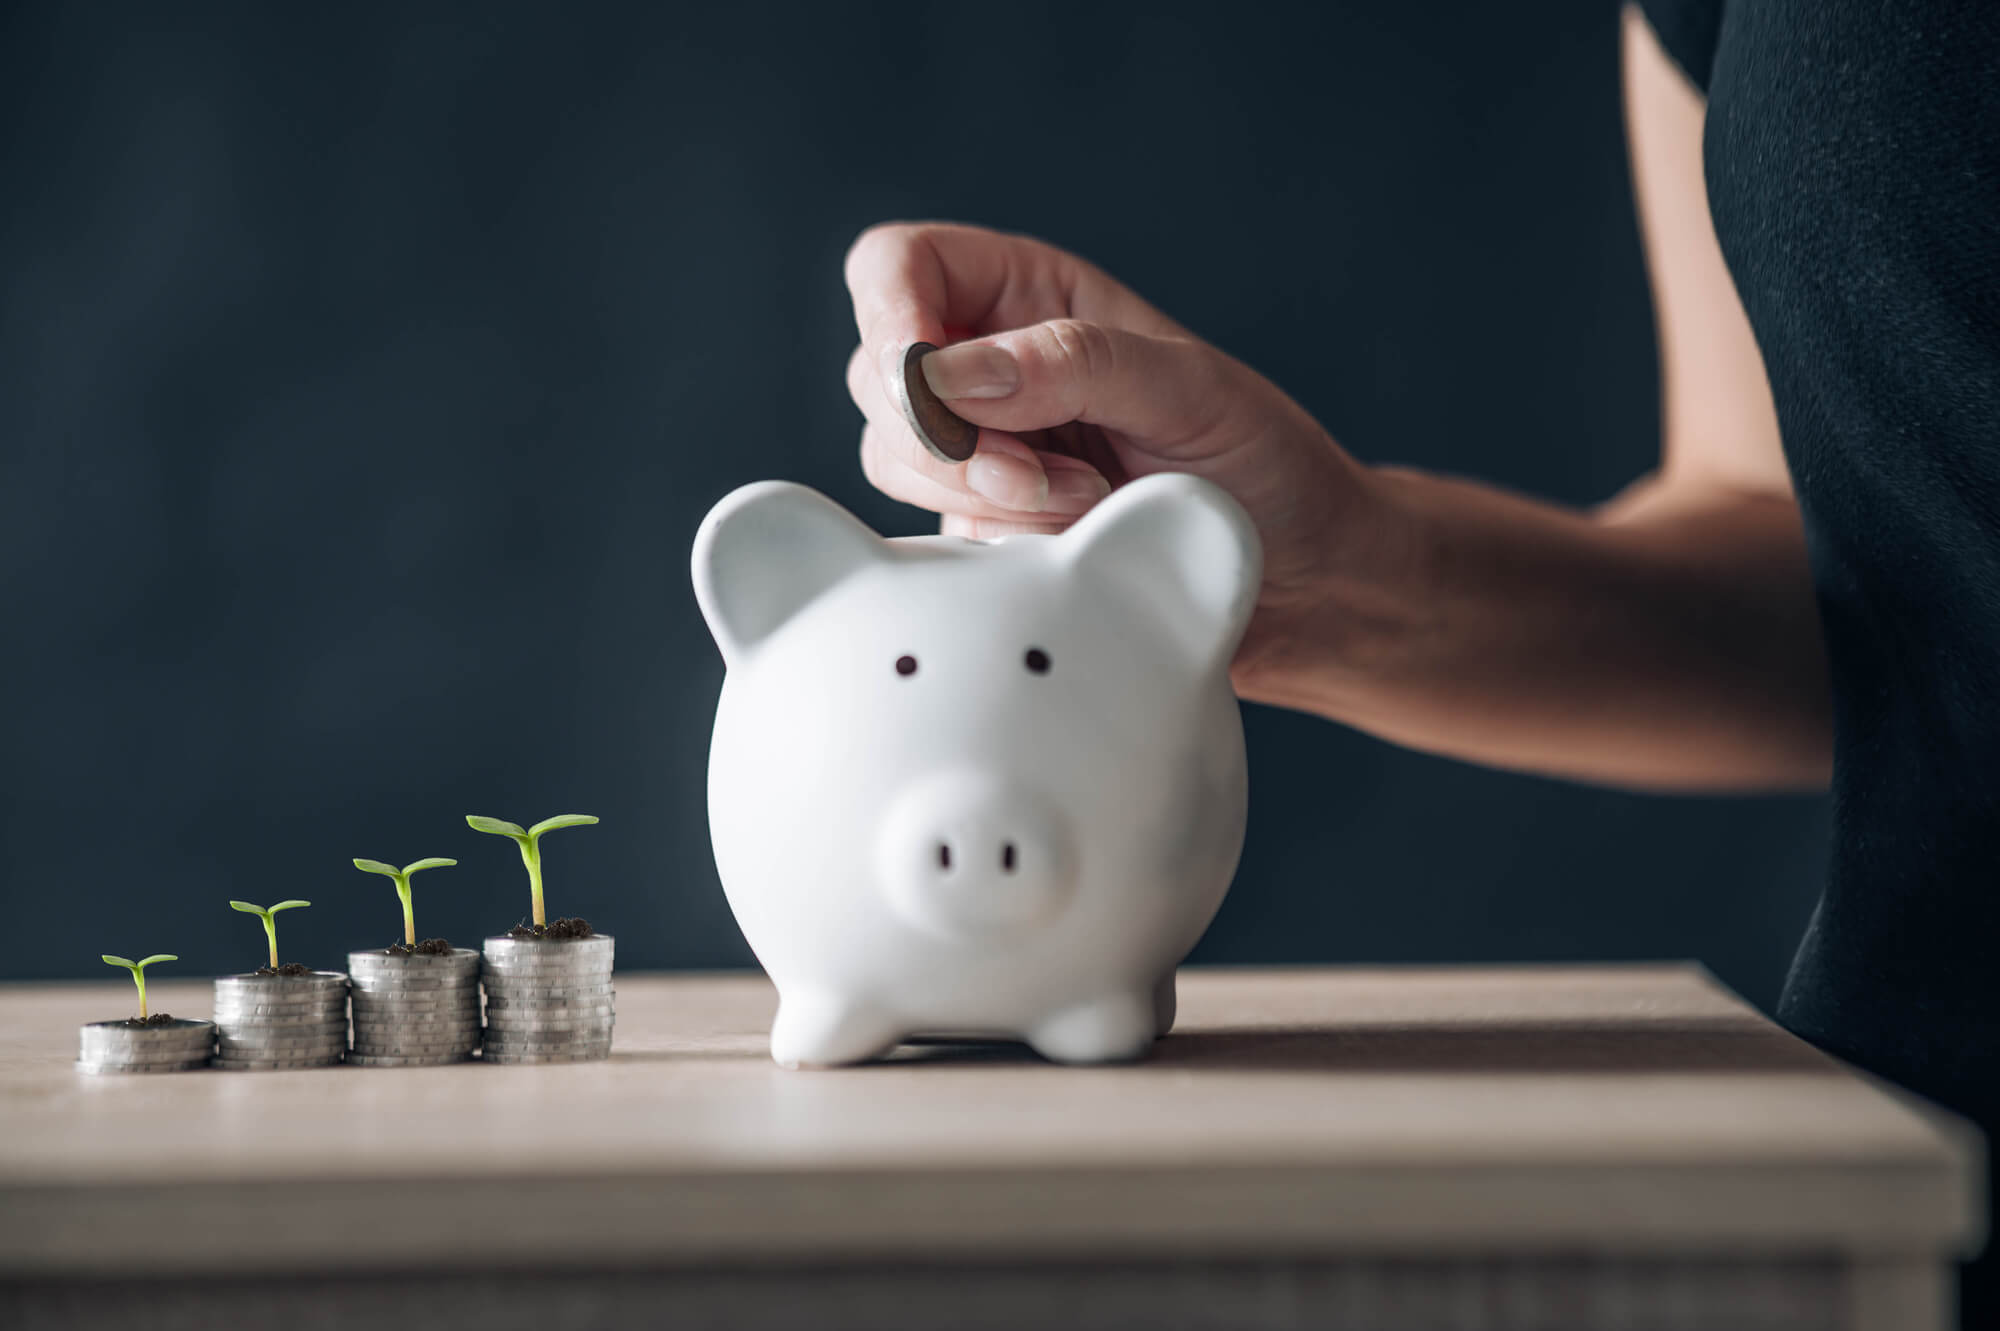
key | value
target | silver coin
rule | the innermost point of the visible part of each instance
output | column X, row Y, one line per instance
column 301, row 1049
column 294, row 1065
column 306, row 1003
column 547, row 1034
column 408, row 1061
column 420, row 961
column 505, row 1059
column 417, row 1034
column 268, row 1034
column 289, row 1049
column 404, row 1017
column 332, row 1002
column 508, row 945
column 515, row 1021
column 419, row 992
column 110, row 1056
column 283, row 1030
column 578, row 989
column 280, row 986
column 544, row 1035
column 304, row 1016
column 556, row 1003
column 469, row 1003
column 113, row 1069
column 453, row 1004
column 493, row 1046
column 177, row 1040
column 415, row 1049
column 178, row 1026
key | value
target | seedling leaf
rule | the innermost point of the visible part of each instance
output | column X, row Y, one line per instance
column 562, row 820
column 247, row 908
column 159, row 956
column 110, row 960
column 287, row 905
column 497, row 826
column 375, row 866
column 428, row 864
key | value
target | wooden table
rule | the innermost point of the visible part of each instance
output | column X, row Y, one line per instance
column 1568, row 1147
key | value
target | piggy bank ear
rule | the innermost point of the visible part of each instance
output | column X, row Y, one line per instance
column 1182, row 548
column 767, row 551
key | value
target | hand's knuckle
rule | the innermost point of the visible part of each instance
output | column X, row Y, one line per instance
column 1081, row 349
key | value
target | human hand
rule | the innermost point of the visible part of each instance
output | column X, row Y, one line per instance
column 1077, row 385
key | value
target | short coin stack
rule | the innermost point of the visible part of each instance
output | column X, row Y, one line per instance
column 265, row 1023
column 548, row 1000
column 171, row 1046
column 416, row 1009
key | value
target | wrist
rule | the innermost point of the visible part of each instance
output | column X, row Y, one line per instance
column 1342, row 607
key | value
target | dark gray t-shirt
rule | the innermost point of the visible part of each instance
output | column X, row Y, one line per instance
column 1853, row 162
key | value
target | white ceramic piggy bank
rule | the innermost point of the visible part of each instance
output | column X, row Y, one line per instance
column 976, row 787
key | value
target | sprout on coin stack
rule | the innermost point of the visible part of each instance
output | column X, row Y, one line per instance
column 279, row 1016
column 415, row 1004
column 548, row 985
column 154, row 1042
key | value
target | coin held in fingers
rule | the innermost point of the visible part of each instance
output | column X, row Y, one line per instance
column 945, row 433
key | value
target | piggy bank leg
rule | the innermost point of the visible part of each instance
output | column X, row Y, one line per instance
column 1164, row 1004
column 1106, row 1030
column 820, row 1030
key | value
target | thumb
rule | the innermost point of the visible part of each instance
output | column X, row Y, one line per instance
column 1161, row 393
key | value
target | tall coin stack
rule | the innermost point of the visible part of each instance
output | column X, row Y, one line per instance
column 414, row 1009
column 265, row 1023
column 171, row 1046
column 548, row 1000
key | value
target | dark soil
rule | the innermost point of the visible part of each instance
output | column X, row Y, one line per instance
column 567, row 927
column 289, row 968
column 430, row 947
column 157, row 1019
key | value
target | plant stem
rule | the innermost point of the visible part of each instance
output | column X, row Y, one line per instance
column 271, row 932
column 531, row 855
column 409, row 916
column 139, row 978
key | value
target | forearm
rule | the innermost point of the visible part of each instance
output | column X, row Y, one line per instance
column 1668, row 641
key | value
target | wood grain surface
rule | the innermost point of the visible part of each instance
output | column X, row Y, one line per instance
column 1403, row 1112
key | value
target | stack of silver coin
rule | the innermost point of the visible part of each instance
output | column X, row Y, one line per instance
column 548, row 1000
column 171, row 1046
column 265, row 1023
column 414, row 1010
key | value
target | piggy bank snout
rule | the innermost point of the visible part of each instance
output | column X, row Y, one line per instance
column 970, row 854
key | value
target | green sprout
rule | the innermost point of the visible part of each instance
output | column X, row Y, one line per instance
column 269, row 917
column 138, row 969
column 530, row 841
column 402, row 877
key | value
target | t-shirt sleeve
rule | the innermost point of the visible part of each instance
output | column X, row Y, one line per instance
column 1687, row 29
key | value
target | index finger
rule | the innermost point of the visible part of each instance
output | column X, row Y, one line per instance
column 911, row 281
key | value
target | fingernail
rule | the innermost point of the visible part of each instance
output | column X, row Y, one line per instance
column 972, row 369
column 1075, row 491
column 1007, row 481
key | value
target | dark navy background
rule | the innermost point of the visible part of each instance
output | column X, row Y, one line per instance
column 364, row 372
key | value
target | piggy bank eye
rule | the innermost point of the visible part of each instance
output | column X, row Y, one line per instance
column 906, row 665
column 1037, row 661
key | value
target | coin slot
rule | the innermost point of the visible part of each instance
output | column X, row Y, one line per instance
column 944, row 855
column 906, row 665
column 1037, row 661
column 1007, row 856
